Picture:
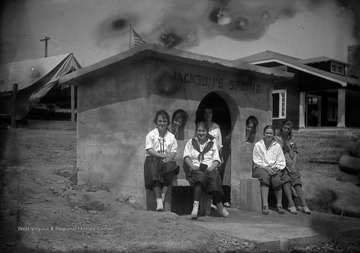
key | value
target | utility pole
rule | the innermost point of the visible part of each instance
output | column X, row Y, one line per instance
column 13, row 106
column 46, row 44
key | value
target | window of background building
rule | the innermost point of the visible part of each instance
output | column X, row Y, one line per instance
column 279, row 104
column 337, row 68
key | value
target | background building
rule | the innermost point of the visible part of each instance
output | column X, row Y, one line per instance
column 320, row 94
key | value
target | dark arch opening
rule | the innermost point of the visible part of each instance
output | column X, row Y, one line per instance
column 222, row 117
column 221, row 112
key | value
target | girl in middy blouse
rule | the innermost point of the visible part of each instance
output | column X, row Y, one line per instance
column 201, row 155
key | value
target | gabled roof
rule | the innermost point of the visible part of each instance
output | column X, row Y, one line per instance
column 263, row 56
column 37, row 76
column 26, row 73
column 148, row 50
column 296, row 63
column 320, row 59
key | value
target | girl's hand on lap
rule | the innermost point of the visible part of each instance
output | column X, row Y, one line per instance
column 269, row 171
column 274, row 170
column 194, row 168
column 166, row 159
column 209, row 169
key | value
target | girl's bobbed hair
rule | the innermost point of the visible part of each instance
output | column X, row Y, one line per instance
column 164, row 114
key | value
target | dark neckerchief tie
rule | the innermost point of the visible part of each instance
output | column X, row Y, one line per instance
column 207, row 148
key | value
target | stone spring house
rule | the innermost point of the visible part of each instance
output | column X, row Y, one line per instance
column 118, row 98
column 319, row 95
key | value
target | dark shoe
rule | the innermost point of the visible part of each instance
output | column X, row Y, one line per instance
column 280, row 210
column 265, row 210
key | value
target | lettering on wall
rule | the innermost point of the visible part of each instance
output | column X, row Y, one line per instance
column 245, row 84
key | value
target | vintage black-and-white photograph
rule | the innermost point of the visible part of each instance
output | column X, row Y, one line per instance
column 180, row 126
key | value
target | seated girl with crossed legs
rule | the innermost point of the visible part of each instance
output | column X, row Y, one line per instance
column 202, row 156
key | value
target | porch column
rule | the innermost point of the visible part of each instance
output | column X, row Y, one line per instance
column 302, row 110
column 72, row 89
column 341, row 108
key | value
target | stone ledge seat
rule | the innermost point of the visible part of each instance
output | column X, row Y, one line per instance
column 205, row 199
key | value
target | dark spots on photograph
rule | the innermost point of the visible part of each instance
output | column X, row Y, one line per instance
column 241, row 24
column 265, row 15
column 170, row 40
column 214, row 15
column 288, row 12
column 119, row 24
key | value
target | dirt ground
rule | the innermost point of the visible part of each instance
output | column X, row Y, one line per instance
column 326, row 187
column 52, row 214
column 44, row 210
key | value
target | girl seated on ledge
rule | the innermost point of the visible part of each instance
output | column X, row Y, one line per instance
column 268, row 166
column 201, row 155
column 160, row 167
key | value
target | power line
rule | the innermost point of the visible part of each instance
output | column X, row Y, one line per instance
column 46, row 44
column 84, row 49
column 89, row 51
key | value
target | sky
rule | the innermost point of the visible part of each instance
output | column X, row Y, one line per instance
column 230, row 29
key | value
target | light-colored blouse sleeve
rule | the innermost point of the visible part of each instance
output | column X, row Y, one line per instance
column 149, row 142
column 216, row 156
column 173, row 144
column 187, row 150
column 219, row 137
column 257, row 157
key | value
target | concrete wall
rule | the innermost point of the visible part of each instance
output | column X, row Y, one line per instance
column 117, row 106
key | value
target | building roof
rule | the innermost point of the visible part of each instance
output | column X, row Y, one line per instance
column 156, row 51
column 296, row 63
column 26, row 73
column 320, row 59
column 37, row 76
column 266, row 55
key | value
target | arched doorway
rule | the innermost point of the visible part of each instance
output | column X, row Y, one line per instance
column 221, row 116
column 220, row 109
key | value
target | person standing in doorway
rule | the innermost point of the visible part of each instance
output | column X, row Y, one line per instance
column 215, row 132
column 160, row 167
column 214, row 129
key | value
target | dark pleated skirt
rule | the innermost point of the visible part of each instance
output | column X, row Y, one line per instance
column 210, row 181
column 157, row 171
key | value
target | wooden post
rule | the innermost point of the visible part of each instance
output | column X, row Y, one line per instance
column 341, row 107
column 72, row 88
column 302, row 110
column 46, row 44
column 13, row 106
